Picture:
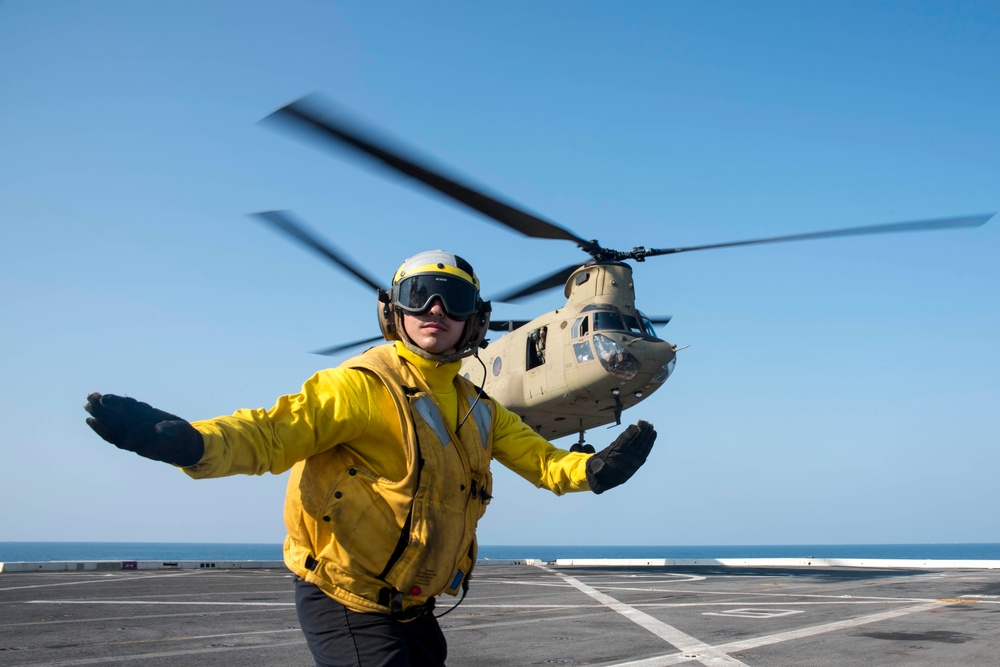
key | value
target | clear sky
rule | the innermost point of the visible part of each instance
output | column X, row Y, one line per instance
column 839, row 391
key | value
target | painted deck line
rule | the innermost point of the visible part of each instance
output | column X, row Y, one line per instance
column 690, row 647
column 743, row 645
column 180, row 653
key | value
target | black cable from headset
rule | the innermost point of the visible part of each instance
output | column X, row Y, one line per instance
column 479, row 392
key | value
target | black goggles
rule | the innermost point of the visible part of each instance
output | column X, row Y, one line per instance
column 415, row 295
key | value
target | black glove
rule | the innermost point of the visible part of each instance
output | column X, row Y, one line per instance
column 128, row 424
column 614, row 464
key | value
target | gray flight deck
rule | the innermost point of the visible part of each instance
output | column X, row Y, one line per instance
column 529, row 613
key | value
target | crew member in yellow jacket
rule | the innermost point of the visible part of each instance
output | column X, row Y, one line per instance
column 390, row 456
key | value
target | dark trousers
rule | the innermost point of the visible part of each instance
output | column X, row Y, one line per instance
column 339, row 637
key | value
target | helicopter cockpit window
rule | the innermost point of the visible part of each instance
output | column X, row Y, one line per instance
column 608, row 321
column 650, row 331
column 581, row 327
column 632, row 325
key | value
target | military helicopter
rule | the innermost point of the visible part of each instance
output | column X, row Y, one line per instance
column 569, row 370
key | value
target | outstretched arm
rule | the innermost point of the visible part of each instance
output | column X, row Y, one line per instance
column 518, row 447
column 333, row 407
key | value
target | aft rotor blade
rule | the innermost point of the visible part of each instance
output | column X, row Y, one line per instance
column 548, row 282
column 346, row 346
column 306, row 116
column 889, row 228
column 283, row 221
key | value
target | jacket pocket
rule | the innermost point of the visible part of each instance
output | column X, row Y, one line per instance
column 358, row 527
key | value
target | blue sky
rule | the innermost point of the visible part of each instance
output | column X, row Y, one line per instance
column 840, row 391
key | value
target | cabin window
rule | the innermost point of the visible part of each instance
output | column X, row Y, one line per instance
column 497, row 364
column 607, row 321
column 581, row 328
column 536, row 348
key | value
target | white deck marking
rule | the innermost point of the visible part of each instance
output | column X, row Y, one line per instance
column 829, row 627
column 103, row 660
column 166, row 603
column 132, row 617
column 801, row 633
column 658, row 605
column 690, row 648
column 750, row 612
column 106, row 579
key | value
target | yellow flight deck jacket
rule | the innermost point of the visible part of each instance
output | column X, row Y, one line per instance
column 384, row 495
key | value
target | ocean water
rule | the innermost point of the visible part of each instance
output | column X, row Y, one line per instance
column 80, row 551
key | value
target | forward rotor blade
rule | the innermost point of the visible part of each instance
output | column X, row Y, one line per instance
column 665, row 319
column 346, row 346
column 889, row 228
column 548, row 282
column 306, row 115
column 507, row 325
column 283, row 221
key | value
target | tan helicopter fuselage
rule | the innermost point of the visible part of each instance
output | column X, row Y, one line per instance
column 578, row 367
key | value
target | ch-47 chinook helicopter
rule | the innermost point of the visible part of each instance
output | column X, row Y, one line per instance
column 571, row 369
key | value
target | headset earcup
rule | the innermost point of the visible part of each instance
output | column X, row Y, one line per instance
column 478, row 330
column 387, row 321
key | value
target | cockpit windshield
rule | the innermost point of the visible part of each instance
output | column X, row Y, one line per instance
column 632, row 325
column 605, row 320
column 648, row 326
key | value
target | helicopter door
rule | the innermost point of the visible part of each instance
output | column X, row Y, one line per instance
column 535, row 348
column 535, row 375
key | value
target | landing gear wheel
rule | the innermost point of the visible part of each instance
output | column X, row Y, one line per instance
column 580, row 446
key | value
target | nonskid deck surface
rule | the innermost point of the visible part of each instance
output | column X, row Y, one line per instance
column 526, row 615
